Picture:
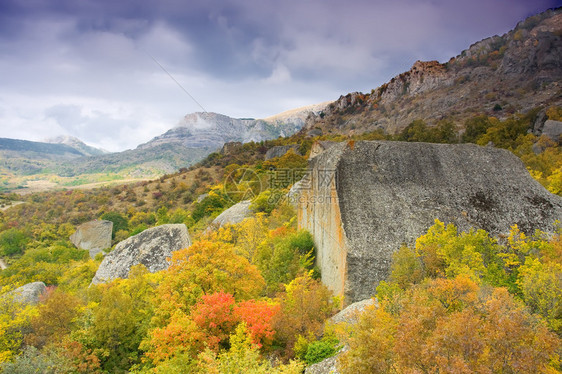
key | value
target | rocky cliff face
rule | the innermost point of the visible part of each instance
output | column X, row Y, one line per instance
column 497, row 76
column 362, row 200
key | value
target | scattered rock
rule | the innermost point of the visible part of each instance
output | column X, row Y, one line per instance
column 3, row 265
column 28, row 294
column 552, row 129
column 94, row 236
column 235, row 214
column 366, row 198
column 152, row 248
column 351, row 312
column 230, row 147
column 202, row 197
column 349, row 315
column 314, row 132
column 281, row 150
column 326, row 366
column 539, row 123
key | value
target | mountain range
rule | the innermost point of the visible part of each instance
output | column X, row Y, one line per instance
column 197, row 135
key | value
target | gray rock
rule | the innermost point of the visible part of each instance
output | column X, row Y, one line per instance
column 94, row 236
column 326, row 366
column 202, row 197
column 230, row 148
column 152, row 248
column 319, row 147
column 539, row 123
column 314, row 132
column 349, row 315
column 235, row 214
column 351, row 312
column 552, row 129
column 281, row 150
column 27, row 294
column 367, row 198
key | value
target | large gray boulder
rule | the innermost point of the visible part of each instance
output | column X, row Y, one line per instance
column 27, row 294
column 365, row 199
column 93, row 236
column 152, row 248
column 235, row 214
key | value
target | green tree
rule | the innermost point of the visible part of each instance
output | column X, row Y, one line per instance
column 120, row 222
column 13, row 242
column 118, row 320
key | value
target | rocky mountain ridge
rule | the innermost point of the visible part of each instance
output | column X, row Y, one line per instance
column 213, row 130
column 499, row 76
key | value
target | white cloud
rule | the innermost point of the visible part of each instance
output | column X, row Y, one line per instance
column 279, row 75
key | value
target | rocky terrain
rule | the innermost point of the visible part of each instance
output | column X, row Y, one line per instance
column 498, row 76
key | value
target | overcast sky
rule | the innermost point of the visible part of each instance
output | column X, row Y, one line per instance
column 84, row 67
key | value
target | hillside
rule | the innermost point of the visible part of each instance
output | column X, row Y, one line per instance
column 497, row 76
column 47, row 149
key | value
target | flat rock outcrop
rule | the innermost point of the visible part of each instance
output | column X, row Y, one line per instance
column 281, row 150
column 29, row 293
column 235, row 214
column 365, row 199
column 151, row 248
column 93, row 236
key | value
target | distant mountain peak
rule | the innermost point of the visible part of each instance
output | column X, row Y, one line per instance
column 212, row 130
column 77, row 144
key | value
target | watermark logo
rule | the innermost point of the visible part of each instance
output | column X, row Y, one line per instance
column 242, row 184
column 246, row 184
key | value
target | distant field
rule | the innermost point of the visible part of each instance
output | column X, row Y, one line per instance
column 54, row 183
